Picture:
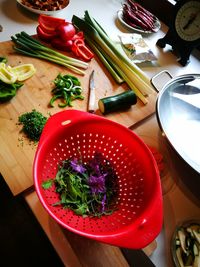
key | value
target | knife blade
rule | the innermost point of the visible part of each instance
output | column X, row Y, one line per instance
column 91, row 97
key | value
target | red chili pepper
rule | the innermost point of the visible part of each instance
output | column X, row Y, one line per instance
column 130, row 16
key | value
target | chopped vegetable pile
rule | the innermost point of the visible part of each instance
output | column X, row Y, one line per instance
column 187, row 245
column 67, row 88
column 88, row 189
column 33, row 123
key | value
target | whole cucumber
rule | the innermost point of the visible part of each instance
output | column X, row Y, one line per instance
column 118, row 102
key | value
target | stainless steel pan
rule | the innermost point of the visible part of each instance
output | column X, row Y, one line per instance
column 178, row 113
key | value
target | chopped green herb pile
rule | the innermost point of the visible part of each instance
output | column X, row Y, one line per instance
column 33, row 124
column 87, row 189
column 67, row 88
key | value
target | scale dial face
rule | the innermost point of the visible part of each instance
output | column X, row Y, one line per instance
column 187, row 21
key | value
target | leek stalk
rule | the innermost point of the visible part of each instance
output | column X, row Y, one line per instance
column 106, row 63
column 136, row 83
column 125, row 78
column 113, row 47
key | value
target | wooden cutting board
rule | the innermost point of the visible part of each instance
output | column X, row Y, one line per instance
column 16, row 152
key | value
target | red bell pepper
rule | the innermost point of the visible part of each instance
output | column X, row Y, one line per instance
column 66, row 31
column 78, row 35
column 44, row 35
column 75, row 46
column 59, row 44
column 81, row 50
column 63, row 36
column 49, row 24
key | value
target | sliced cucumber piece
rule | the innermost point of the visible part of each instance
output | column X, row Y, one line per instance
column 195, row 249
column 182, row 238
column 179, row 257
column 196, row 235
column 196, row 262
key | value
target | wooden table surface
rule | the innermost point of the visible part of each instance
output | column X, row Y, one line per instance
column 75, row 250
column 17, row 153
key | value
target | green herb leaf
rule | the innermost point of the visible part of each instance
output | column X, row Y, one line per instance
column 82, row 209
column 47, row 184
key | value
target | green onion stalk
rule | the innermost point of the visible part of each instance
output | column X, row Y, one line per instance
column 27, row 45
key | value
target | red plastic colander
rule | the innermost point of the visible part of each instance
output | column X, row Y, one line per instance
column 138, row 217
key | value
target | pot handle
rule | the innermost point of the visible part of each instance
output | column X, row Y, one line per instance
column 160, row 79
